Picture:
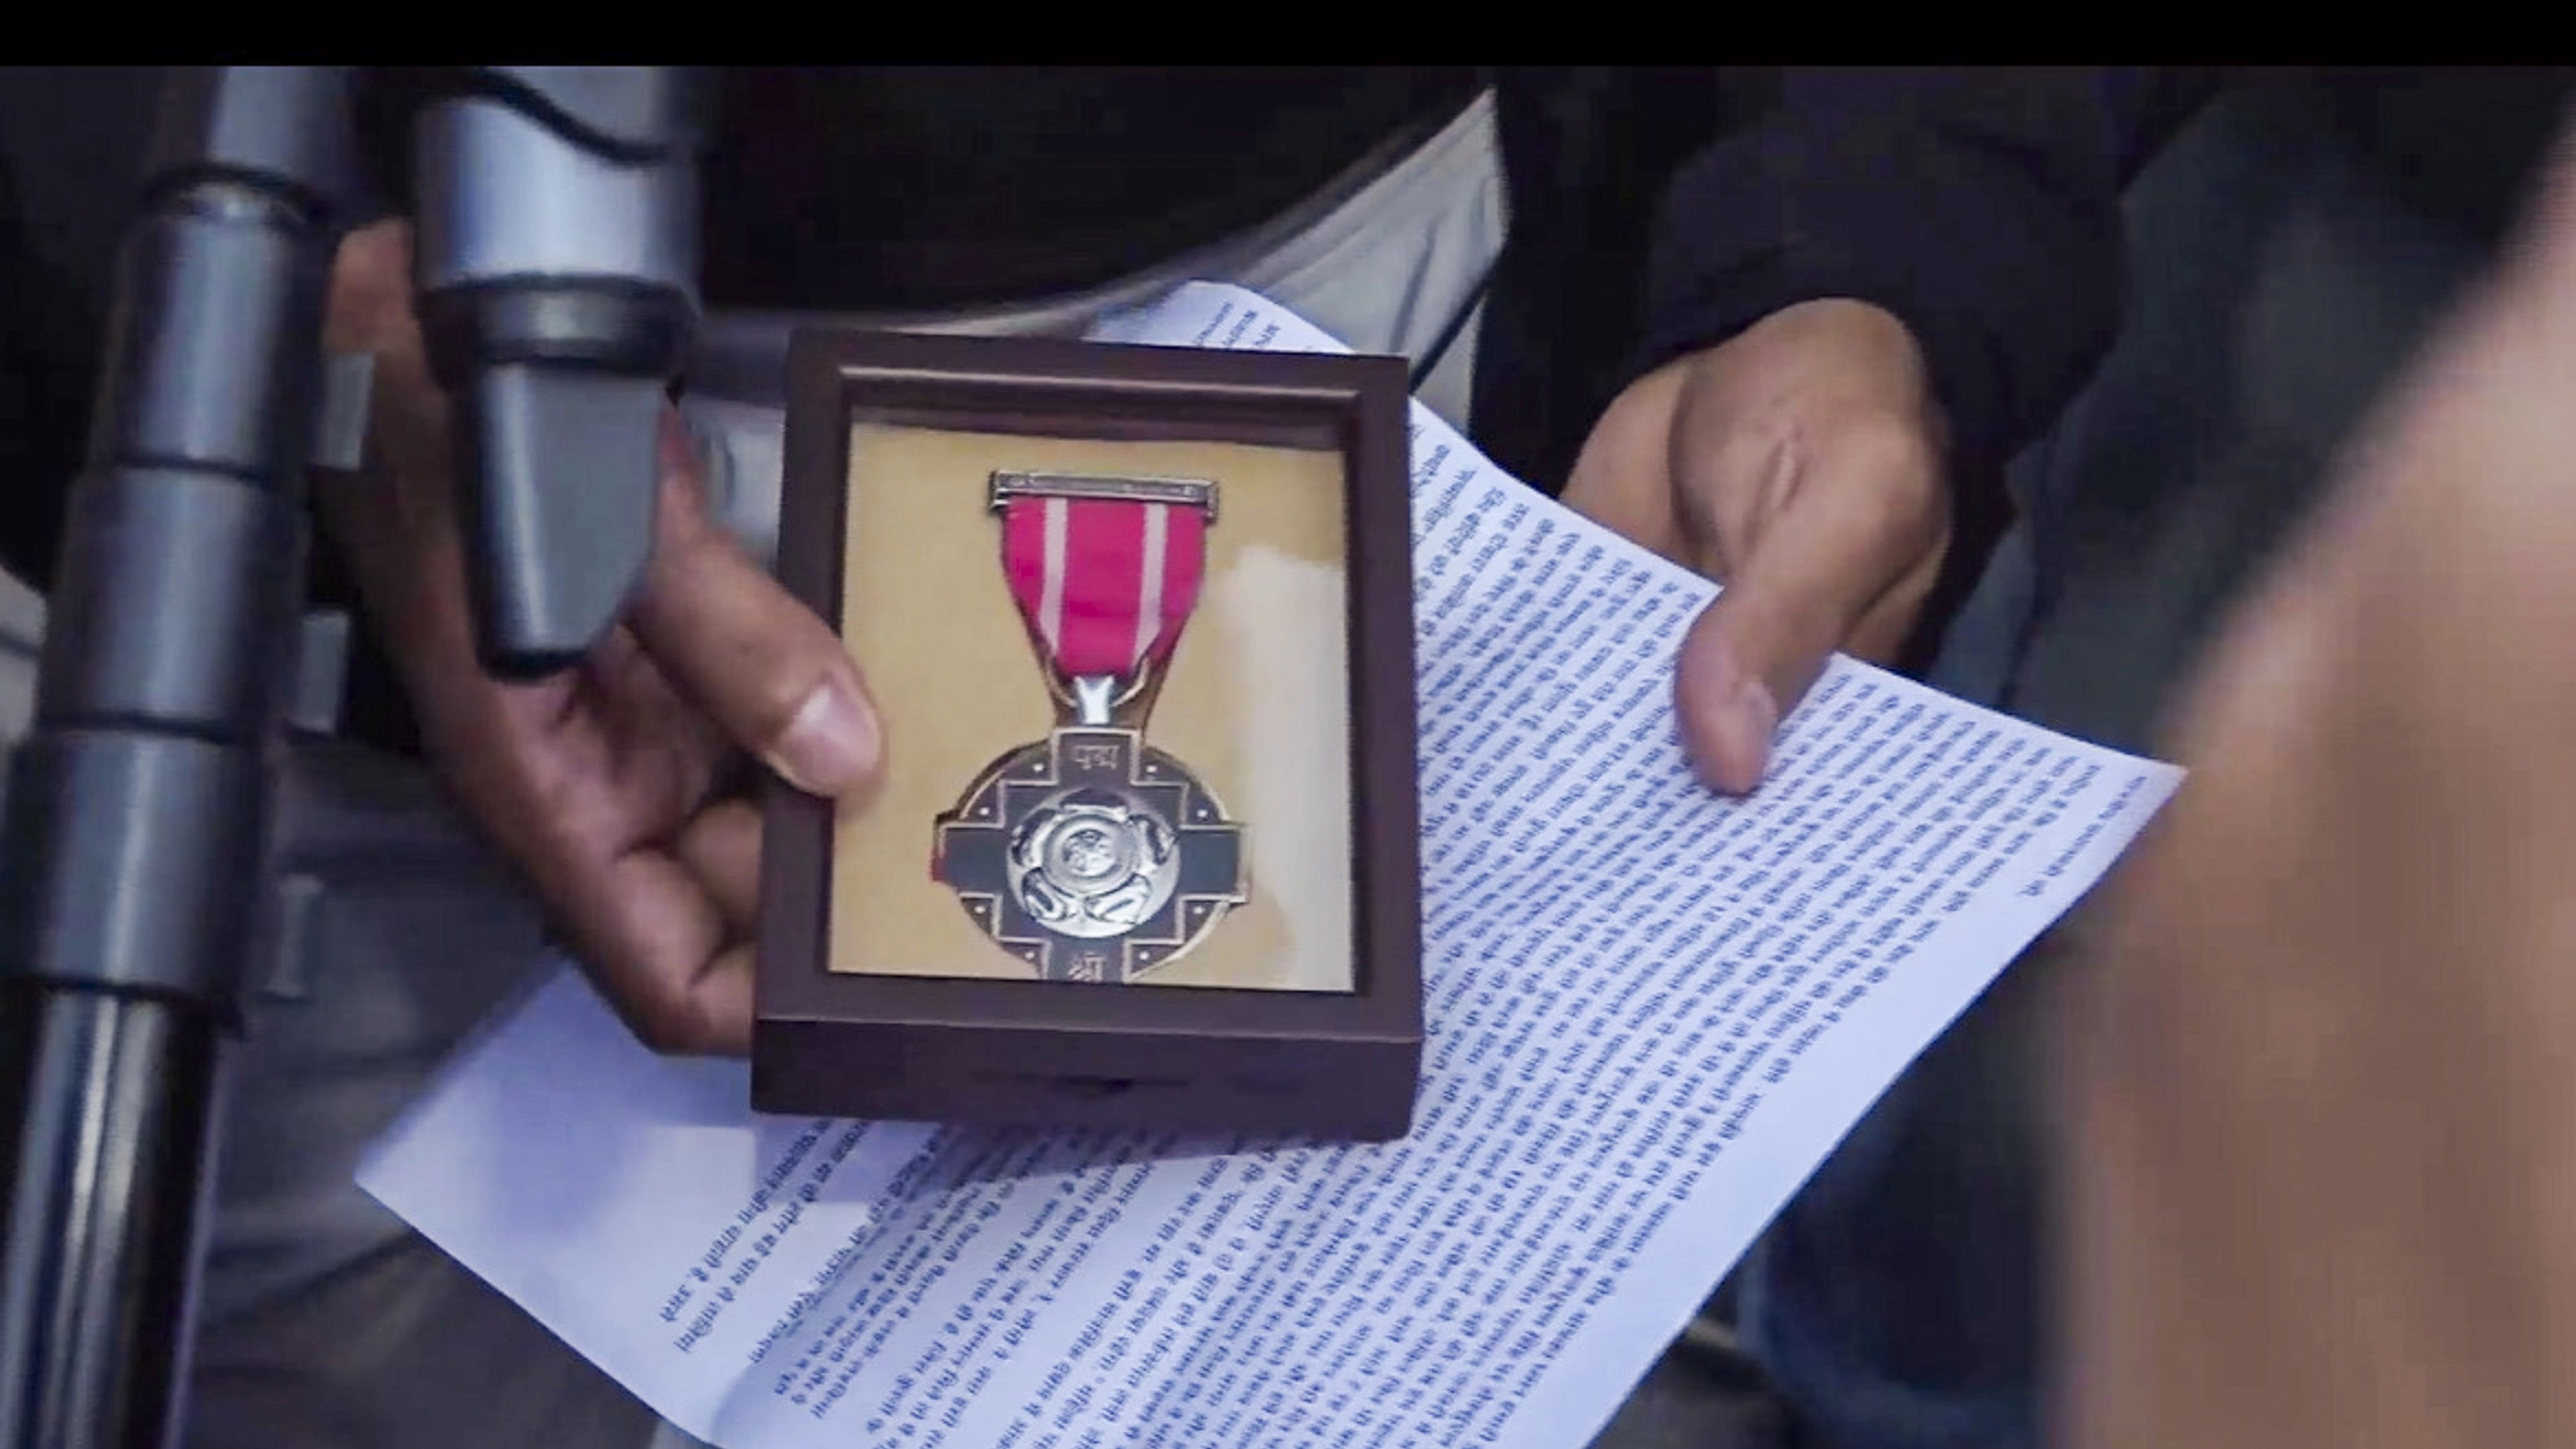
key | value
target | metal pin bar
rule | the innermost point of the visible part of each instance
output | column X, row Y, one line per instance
column 1199, row 493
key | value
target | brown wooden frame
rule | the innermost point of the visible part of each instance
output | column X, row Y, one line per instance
column 1341, row 1064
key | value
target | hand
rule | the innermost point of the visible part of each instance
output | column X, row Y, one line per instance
column 2323, row 1157
column 603, row 785
column 1800, row 464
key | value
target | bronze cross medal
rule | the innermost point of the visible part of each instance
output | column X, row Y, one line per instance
column 1091, row 855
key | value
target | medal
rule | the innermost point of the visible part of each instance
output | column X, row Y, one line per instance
column 1091, row 855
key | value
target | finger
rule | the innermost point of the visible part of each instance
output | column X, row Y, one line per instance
column 583, row 812
column 1863, row 525
column 760, row 664
column 394, row 517
column 652, row 936
column 721, row 847
column 1622, row 479
column 370, row 308
column 1888, row 626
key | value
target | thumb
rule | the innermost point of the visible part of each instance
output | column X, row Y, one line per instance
column 770, row 674
column 1834, row 564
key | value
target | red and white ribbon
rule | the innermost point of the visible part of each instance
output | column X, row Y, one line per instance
column 1105, row 584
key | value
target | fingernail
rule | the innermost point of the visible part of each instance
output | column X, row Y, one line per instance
column 1750, row 716
column 831, row 745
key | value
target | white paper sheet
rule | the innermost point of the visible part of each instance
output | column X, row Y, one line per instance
column 1652, row 1013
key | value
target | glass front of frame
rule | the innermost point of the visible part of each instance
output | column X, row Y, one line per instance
column 1187, row 824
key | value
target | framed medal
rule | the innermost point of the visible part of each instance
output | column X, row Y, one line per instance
column 1091, row 855
column 1137, row 622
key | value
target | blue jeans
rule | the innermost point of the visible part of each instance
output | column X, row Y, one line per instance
column 1896, row 1302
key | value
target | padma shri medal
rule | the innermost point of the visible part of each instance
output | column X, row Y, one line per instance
column 1091, row 855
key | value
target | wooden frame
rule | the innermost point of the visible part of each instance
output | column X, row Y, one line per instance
column 1341, row 1065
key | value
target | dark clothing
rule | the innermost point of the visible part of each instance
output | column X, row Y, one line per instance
column 2456, row 144
column 1982, row 208
column 1653, row 211
column 908, row 189
column 959, row 185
